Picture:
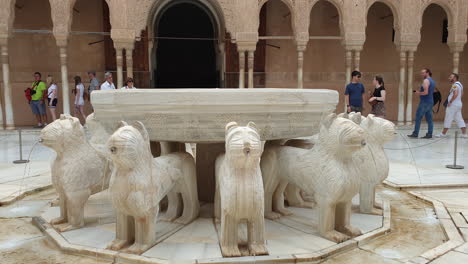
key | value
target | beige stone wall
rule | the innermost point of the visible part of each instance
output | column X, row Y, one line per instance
column 38, row 52
column 358, row 22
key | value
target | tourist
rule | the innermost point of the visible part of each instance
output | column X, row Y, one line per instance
column 378, row 97
column 426, row 102
column 52, row 96
column 454, row 107
column 93, row 82
column 108, row 84
column 354, row 94
column 79, row 100
column 129, row 84
column 37, row 100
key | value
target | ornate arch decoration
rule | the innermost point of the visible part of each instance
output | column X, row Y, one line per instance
column 338, row 5
column 393, row 8
column 289, row 4
column 211, row 7
column 445, row 5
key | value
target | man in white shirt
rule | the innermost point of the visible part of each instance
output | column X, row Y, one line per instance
column 108, row 85
column 454, row 107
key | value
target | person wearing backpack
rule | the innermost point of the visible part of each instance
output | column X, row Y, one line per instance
column 454, row 107
column 426, row 102
column 37, row 100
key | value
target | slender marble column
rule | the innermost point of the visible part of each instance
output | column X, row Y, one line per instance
column 6, row 87
column 241, row 68
column 300, row 69
column 401, row 89
column 250, row 67
column 348, row 61
column 119, row 59
column 64, row 70
column 357, row 59
column 456, row 61
column 409, row 102
column 129, row 58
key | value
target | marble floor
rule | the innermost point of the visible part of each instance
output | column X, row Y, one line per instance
column 417, row 167
column 421, row 162
column 18, row 179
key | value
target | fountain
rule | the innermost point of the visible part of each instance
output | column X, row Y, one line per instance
column 171, row 117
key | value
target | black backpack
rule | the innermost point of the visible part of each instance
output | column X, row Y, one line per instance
column 437, row 99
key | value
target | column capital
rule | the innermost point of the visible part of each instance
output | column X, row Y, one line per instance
column 4, row 40
column 456, row 47
column 407, row 46
column 61, row 39
column 246, row 46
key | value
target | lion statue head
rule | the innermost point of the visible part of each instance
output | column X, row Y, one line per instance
column 339, row 135
column 64, row 132
column 379, row 128
column 243, row 145
column 129, row 145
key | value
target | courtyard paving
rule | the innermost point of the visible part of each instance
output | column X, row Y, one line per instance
column 417, row 182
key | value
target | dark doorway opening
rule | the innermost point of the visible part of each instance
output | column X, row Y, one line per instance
column 189, row 61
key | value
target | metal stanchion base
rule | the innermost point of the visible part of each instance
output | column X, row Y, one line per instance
column 455, row 167
column 20, row 161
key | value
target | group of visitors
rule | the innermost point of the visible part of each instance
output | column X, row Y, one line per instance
column 355, row 96
column 46, row 93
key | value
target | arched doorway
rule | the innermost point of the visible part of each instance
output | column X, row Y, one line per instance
column 186, row 53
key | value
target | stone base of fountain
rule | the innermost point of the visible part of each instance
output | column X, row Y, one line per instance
column 290, row 239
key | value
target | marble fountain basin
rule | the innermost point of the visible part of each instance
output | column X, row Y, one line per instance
column 200, row 115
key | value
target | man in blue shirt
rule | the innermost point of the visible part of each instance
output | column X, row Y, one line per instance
column 426, row 102
column 354, row 94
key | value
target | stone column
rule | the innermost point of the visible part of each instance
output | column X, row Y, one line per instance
column 401, row 89
column 456, row 48
column 9, row 118
column 348, row 61
column 357, row 59
column 409, row 99
column 250, row 67
column 129, row 59
column 119, row 60
column 241, row 68
column 456, row 61
column 300, row 65
column 64, row 70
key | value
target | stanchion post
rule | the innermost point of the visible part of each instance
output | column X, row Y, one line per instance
column 21, row 160
column 455, row 166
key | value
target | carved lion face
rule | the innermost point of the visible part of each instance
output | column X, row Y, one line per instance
column 379, row 128
column 341, row 135
column 59, row 133
column 243, row 144
column 128, row 145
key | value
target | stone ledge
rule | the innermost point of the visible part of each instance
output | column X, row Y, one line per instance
column 13, row 198
column 422, row 186
column 455, row 240
column 312, row 257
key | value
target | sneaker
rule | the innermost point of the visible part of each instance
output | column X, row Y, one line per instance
column 441, row 135
column 38, row 126
column 427, row 136
column 413, row 136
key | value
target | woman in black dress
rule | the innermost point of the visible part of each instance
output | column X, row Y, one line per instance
column 377, row 100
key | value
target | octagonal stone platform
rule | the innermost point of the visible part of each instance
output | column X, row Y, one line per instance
column 290, row 239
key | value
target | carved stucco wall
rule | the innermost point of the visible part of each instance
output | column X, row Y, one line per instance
column 129, row 17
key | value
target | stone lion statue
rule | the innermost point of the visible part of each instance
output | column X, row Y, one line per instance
column 139, row 182
column 239, row 190
column 372, row 158
column 78, row 171
column 326, row 170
